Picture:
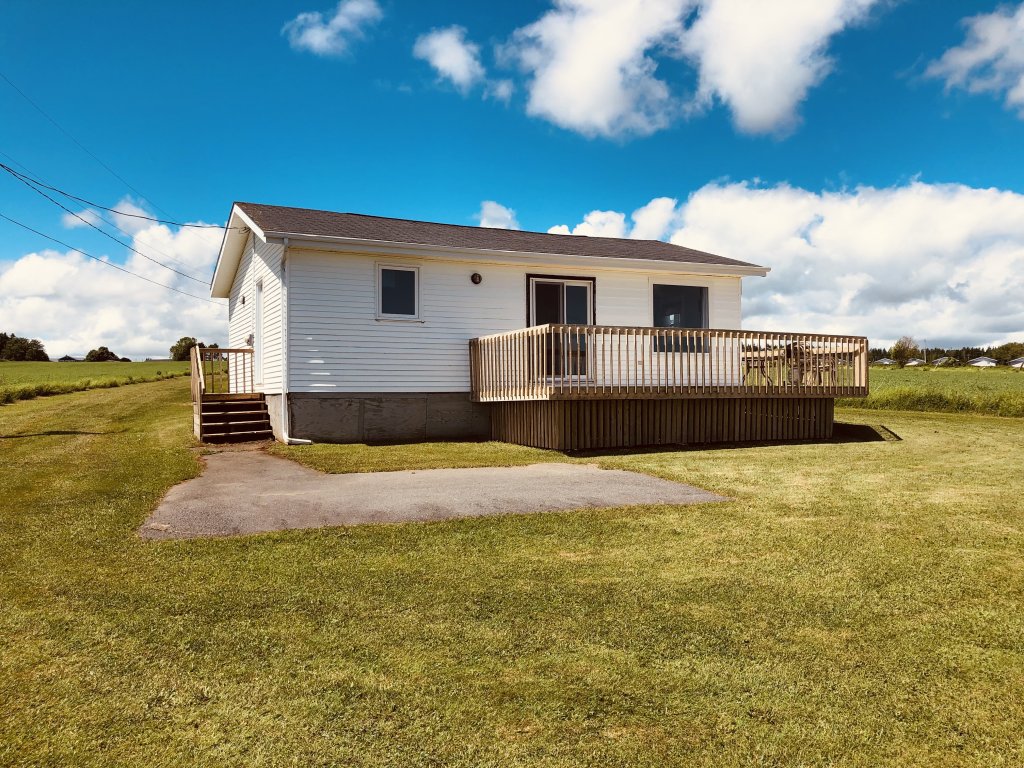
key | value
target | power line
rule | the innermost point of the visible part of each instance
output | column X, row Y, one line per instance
column 81, row 146
column 91, row 204
column 27, row 170
column 103, row 261
column 104, row 220
column 90, row 224
column 26, row 177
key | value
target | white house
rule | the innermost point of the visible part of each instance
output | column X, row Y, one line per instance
column 360, row 327
column 1017, row 363
column 983, row 362
column 884, row 361
column 915, row 362
column 944, row 360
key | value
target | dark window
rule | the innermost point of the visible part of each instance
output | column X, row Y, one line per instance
column 547, row 303
column 680, row 306
column 398, row 292
column 577, row 304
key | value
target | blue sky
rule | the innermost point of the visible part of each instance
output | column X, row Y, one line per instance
column 196, row 105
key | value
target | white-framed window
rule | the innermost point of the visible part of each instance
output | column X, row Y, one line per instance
column 398, row 292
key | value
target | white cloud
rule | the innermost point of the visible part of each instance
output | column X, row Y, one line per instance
column 452, row 56
column 761, row 59
column 942, row 262
column 650, row 222
column 595, row 224
column 74, row 304
column 589, row 66
column 500, row 90
column 496, row 216
column 593, row 64
column 991, row 59
column 126, row 216
column 82, row 218
column 312, row 32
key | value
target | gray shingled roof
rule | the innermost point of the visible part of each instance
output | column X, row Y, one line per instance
column 305, row 221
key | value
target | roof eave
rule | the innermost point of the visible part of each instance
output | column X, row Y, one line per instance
column 391, row 247
column 231, row 248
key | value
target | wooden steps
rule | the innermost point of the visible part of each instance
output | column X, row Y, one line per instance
column 223, row 420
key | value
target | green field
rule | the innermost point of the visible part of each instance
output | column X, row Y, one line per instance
column 997, row 391
column 854, row 604
column 21, row 381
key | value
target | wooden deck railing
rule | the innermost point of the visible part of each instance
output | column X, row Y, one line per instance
column 568, row 362
column 221, row 372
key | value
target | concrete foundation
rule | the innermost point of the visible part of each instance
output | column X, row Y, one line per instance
column 274, row 409
column 392, row 417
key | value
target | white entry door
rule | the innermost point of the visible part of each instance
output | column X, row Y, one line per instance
column 257, row 343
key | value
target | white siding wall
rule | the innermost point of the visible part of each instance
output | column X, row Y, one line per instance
column 260, row 261
column 338, row 345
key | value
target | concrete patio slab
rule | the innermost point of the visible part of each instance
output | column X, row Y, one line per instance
column 252, row 492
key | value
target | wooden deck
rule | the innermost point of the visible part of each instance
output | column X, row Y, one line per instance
column 581, row 387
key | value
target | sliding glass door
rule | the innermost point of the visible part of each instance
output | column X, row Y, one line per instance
column 563, row 301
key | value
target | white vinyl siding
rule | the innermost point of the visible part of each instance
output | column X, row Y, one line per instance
column 261, row 262
column 338, row 343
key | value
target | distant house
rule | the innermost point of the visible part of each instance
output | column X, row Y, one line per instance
column 915, row 361
column 942, row 361
column 69, row 359
column 1017, row 363
column 884, row 361
column 983, row 362
column 159, row 359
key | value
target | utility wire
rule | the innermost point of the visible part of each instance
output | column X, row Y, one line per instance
column 81, row 146
column 26, row 169
column 105, row 234
column 91, row 204
column 103, row 261
column 104, row 220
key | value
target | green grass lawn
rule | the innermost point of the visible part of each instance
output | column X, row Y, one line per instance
column 22, row 381
column 997, row 391
column 854, row 604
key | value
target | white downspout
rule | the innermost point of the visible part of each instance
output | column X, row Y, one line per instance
column 285, row 389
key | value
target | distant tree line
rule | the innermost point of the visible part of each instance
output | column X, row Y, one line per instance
column 907, row 349
column 183, row 346
column 14, row 347
column 104, row 355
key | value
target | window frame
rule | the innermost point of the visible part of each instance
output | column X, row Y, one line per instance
column 379, row 290
column 697, row 345
column 591, row 282
column 706, row 309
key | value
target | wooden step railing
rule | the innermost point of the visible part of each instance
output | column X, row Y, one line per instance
column 560, row 362
column 221, row 371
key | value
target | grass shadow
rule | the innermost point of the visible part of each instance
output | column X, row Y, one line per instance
column 842, row 433
column 862, row 433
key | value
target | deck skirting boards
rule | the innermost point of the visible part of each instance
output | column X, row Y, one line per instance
column 583, row 425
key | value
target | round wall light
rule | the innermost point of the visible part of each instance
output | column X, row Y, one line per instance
column 476, row 278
